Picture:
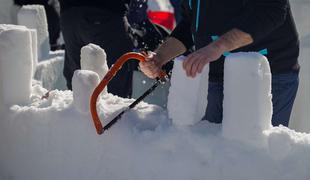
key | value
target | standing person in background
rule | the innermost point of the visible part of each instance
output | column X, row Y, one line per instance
column 218, row 26
column 101, row 22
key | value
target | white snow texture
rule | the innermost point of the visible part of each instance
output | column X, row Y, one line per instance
column 34, row 17
column 15, row 64
column 53, row 138
column 247, row 105
column 187, row 95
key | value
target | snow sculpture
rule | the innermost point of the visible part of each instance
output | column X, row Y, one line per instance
column 15, row 64
column 247, row 98
column 83, row 84
column 187, row 99
column 34, row 17
column 94, row 58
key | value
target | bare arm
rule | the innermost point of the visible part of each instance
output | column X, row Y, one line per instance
column 229, row 41
column 232, row 40
column 171, row 48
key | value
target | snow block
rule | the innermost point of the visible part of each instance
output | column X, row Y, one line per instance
column 15, row 64
column 247, row 105
column 34, row 17
column 187, row 99
column 34, row 48
column 83, row 84
column 94, row 58
column 50, row 73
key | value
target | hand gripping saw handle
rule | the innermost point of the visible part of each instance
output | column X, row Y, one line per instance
column 107, row 78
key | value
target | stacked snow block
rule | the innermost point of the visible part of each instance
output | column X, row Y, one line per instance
column 34, row 17
column 83, row 84
column 94, row 58
column 15, row 64
column 93, row 69
column 247, row 105
column 187, row 99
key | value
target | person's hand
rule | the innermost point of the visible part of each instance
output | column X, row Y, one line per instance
column 195, row 62
column 151, row 67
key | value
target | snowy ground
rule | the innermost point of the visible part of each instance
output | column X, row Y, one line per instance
column 50, row 139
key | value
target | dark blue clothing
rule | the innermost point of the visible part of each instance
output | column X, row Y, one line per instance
column 84, row 25
column 284, row 89
column 269, row 22
column 116, row 6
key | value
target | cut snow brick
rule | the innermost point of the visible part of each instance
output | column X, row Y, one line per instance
column 94, row 58
column 247, row 105
column 83, row 84
column 34, row 17
column 15, row 64
column 34, row 48
column 187, row 99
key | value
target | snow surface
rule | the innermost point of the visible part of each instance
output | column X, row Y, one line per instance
column 94, row 58
column 247, row 105
column 187, row 95
column 49, row 138
column 53, row 138
column 83, row 84
column 34, row 47
column 34, row 17
column 15, row 66
column 49, row 72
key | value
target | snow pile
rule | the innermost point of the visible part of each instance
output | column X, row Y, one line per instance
column 83, row 84
column 34, row 48
column 34, row 17
column 49, row 139
column 54, row 138
column 49, row 73
column 247, row 105
column 94, row 58
column 16, row 64
column 187, row 95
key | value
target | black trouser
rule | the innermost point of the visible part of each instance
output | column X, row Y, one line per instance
column 84, row 25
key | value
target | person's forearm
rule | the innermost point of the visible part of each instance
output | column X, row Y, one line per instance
column 170, row 49
column 232, row 40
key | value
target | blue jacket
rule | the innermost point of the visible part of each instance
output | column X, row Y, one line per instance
column 269, row 22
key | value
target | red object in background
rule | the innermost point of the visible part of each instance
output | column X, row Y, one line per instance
column 165, row 19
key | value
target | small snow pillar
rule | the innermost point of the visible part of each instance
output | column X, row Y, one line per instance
column 187, row 99
column 83, row 84
column 15, row 64
column 34, row 17
column 94, row 58
column 247, row 105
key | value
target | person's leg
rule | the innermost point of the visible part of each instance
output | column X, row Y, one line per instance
column 53, row 26
column 214, row 111
column 69, row 23
column 284, row 90
column 108, row 30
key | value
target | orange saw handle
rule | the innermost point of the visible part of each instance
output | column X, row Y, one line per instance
column 107, row 78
